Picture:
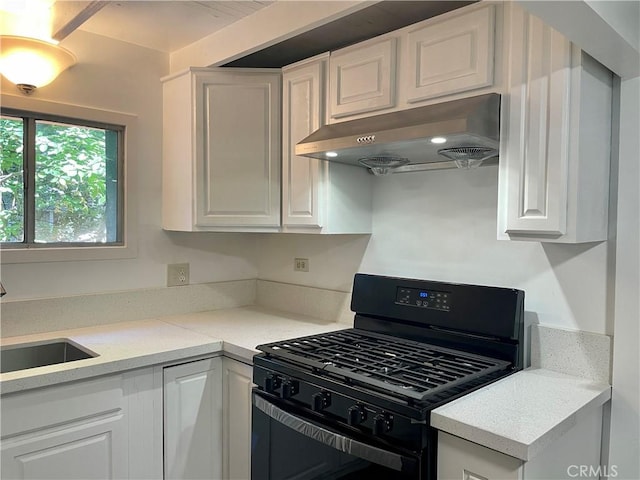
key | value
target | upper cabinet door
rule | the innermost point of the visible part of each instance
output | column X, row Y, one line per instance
column 555, row 141
column 362, row 79
column 221, row 150
column 237, row 140
column 451, row 56
column 303, row 99
column 538, row 116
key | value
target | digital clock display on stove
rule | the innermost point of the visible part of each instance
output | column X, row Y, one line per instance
column 423, row 298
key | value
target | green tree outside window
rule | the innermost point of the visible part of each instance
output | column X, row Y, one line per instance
column 75, row 180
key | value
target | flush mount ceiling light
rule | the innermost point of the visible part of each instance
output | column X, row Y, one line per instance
column 31, row 63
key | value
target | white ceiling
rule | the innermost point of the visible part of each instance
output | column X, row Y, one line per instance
column 167, row 25
column 170, row 25
column 164, row 25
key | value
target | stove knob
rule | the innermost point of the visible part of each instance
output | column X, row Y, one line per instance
column 356, row 414
column 320, row 401
column 290, row 388
column 271, row 383
column 382, row 423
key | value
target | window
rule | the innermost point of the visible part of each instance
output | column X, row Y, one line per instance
column 61, row 181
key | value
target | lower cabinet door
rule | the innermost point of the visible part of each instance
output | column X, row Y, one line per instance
column 77, row 430
column 93, row 448
column 236, row 388
column 192, row 420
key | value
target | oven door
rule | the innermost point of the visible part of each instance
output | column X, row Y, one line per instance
column 287, row 446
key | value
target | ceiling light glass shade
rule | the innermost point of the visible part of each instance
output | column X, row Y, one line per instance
column 31, row 63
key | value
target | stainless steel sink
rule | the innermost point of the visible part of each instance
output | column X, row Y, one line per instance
column 23, row 356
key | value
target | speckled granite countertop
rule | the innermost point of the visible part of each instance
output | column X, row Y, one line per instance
column 522, row 414
column 242, row 329
column 519, row 415
column 128, row 345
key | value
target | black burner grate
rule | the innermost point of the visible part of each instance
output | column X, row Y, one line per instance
column 394, row 365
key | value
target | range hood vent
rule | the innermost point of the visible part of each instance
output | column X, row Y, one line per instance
column 457, row 134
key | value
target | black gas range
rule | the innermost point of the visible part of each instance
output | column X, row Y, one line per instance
column 356, row 403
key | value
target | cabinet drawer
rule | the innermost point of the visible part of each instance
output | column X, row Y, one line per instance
column 36, row 409
column 76, row 430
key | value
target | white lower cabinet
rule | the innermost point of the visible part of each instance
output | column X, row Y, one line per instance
column 575, row 450
column 459, row 459
column 73, row 431
column 236, row 423
column 192, row 420
column 135, row 425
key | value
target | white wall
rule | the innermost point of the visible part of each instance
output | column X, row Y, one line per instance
column 625, row 410
column 441, row 225
column 114, row 75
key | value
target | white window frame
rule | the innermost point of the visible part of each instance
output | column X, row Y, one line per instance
column 129, row 248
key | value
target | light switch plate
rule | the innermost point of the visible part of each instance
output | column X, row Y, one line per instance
column 300, row 264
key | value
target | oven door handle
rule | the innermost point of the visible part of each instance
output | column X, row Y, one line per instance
column 334, row 440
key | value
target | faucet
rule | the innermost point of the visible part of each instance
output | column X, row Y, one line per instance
column 3, row 292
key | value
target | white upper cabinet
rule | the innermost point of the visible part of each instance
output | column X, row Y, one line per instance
column 362, row 78
column 303, row 94
column 450, row 56
column 555, row 138
column 317, row 196
column 221, row 150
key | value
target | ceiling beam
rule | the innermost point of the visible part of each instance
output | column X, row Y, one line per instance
column 69, row 15
column 279, row 21
column 606, row 30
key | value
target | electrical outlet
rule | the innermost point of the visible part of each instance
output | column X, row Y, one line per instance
column 177, row 274
column 300, row 264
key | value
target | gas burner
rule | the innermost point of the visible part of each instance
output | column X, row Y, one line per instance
column 398, row 366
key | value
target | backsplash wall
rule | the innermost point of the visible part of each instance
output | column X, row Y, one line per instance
column 441, row 225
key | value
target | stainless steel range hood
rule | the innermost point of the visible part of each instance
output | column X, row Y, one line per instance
column 456, row 134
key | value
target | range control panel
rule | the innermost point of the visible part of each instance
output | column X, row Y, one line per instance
column 424, row 298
